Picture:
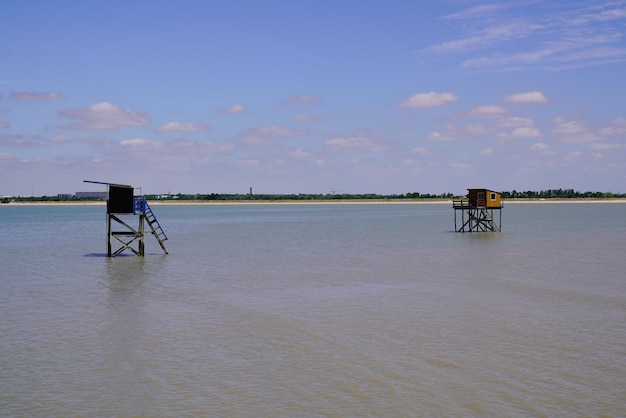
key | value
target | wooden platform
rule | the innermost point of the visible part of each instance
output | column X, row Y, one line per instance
column 475, row 218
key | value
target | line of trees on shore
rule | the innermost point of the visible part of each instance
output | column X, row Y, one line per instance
column 514, row 194
column 301, row 196
column 560, row 194
column 542, row 194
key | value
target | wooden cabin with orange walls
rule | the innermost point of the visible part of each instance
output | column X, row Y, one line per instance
column 484, row 198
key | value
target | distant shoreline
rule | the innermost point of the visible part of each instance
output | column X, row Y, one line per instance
column 315, row 202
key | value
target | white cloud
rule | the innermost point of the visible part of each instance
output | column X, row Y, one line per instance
column 525, row 132
column 569, row 128
column 231, row 110
column 302, row 99
column 618, row 128
column 515, row 122
column 4, row 125
column 419, row 150
column 141, row 143
column 488, row 111
column 619, row 122
column 612, row 131
column 248, row 163
column 193, row 149
column 556, row 36
column 528, row 97
column 428, row 100
column 461, row 166
column 307, row 118
column 104, row 116
column 175, row 126
column 606, row 147
column 140, row 148
column 482, row 10
column 300, row 153
column 180, row 155
column 91, row 140
column 487, row 151
column 556, row 57
column 572, row 156
column 28, row 95
column 212, row 148
column 574, row 132
column 454, row 133
column 539, row 146
column 488, row 35
column 268, row 133
column 355, row 144
column 275, row 130
column 515, row 61
column 542, row 148
column 18, row 141
column 438, row 137
column 603, row 12
column 473, row 129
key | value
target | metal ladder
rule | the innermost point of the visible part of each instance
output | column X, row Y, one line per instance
column 143, row 208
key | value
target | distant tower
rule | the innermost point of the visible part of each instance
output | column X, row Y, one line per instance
column 477, row 210
column 251, row 191
column 122, row 202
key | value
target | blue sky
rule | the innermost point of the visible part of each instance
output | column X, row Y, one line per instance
column 312, row 96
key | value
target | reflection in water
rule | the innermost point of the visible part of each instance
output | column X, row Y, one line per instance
column 98, row 255
column 123, row 334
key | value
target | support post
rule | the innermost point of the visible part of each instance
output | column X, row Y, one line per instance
column 109, row 235
column 141, row 235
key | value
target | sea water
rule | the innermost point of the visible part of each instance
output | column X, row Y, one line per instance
column 369, row 310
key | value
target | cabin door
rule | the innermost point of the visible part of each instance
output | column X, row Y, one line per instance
column 480, row 199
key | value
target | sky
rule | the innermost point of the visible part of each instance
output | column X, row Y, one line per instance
column 386, row 97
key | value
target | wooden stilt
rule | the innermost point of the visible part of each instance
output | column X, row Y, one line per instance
column 126, row 237
column 109, row 236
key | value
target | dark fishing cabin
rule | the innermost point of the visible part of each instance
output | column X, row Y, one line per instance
column 122, row 206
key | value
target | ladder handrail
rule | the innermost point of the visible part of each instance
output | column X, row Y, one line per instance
column 141, row 207
column 148, row 212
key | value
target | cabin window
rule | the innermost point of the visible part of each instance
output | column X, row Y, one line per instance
column 492, row 196
column 481, row 196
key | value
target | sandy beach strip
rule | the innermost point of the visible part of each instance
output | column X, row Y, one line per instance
column 314, row 202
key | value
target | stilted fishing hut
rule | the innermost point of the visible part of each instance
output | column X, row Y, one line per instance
column 122, row 203
column 475, row 212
